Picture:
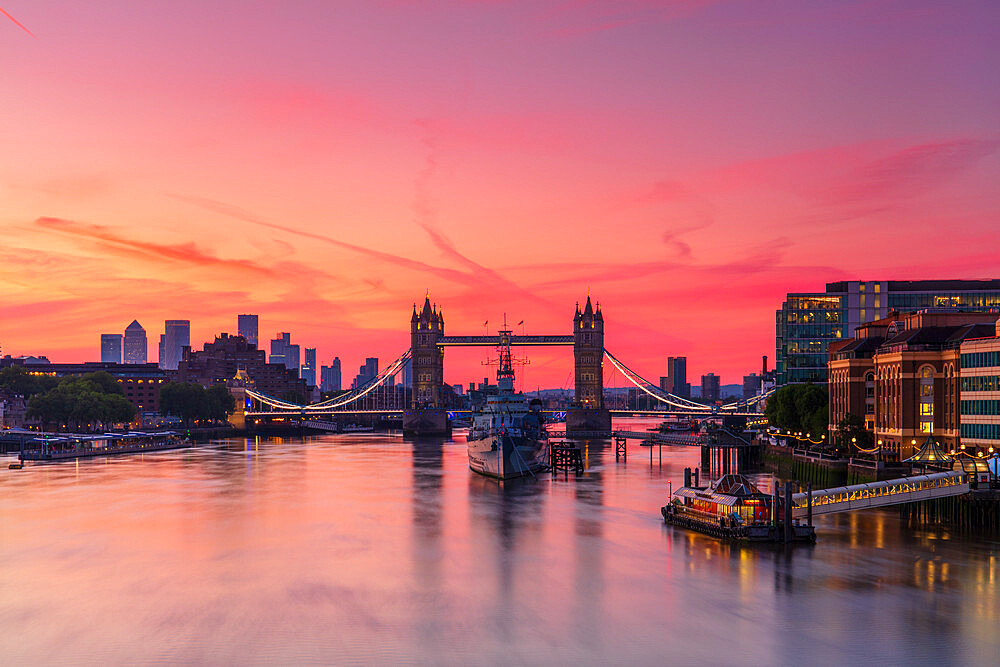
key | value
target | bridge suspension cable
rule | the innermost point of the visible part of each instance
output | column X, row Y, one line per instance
column 652, row 390
column 338, row 401
column 672, row 399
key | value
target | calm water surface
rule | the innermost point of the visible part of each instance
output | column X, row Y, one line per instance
column 370, row 549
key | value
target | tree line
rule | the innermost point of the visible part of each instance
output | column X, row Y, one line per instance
column 78, row 402
column 190, row 401
column 97, row 401
column 799, row 408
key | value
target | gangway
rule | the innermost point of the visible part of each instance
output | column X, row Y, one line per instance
column 881, row 494
column 320, row 425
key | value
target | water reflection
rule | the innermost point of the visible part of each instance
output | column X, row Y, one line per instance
column 369, row 548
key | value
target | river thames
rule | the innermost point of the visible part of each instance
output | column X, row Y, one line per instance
column 369, row 548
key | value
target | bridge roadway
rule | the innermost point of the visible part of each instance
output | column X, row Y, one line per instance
column 882, row 494
column 494, row 341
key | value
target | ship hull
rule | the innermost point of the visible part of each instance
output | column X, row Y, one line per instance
column 504, row 456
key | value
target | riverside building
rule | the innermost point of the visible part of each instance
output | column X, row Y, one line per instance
column 980, row 394
column 220, row 361
column 901, row 374
column 808, row 322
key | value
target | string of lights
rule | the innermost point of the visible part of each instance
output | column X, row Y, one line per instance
column 339, row 401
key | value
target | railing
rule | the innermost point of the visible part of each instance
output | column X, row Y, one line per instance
column 880, row 494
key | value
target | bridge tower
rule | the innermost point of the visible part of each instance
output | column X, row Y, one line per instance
column 426, row 414
column 587, row 413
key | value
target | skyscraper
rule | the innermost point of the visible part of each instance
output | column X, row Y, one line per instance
column 407, row 374
column 751, row 385
column 283, row 352
column 330, row 376
column 308, row 371
column 710, row 388
column 247, row 327
column 808, row 322
column 366, row 373
column 177, row 335
column 675, row 380
column 134, row 344
column 111, row 348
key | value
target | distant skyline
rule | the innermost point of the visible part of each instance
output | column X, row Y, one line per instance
column 323, row 164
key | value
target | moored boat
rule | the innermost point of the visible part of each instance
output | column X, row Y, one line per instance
column 507, row 438
column 732, row 508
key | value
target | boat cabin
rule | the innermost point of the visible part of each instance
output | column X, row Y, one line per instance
column 731, row 494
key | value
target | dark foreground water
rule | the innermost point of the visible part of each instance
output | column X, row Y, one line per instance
column 372, row 549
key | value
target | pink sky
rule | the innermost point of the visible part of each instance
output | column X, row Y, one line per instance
column 324, row 163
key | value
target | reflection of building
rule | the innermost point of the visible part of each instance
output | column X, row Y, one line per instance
column 330, row 376
column 111, row 348
column 979, row 407
column 220, row 361
column 711, row 388
column 808, row 321
column 900, row 375
column 176, row 336
column 283, row 352
column 247, row 326
column 134, row 345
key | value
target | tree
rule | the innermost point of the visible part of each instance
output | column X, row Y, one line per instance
column 190, row 401
column 799, row 408
column 105, row 381
column 94, row 399
column 18, row 381
column 851, row 431
column 221, row 402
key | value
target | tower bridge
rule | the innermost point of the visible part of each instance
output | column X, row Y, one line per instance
column 426, row 411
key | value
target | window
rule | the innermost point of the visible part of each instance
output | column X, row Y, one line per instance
column 927, row 427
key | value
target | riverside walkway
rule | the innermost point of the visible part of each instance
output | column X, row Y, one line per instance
column 882, row 494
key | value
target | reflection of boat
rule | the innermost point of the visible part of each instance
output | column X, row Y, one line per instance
column 507, row 438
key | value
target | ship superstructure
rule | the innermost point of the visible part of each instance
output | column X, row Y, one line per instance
column 507, row 438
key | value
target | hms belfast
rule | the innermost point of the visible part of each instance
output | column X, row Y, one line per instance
column 507, row 438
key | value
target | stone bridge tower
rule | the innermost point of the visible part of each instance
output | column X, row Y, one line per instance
column 426, row 415
column 587, row 412
column 428, row 358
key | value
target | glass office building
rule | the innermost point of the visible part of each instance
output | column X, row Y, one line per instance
column 808, row 321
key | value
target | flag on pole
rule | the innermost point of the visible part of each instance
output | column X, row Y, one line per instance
column 520, row 323
column 486, row 322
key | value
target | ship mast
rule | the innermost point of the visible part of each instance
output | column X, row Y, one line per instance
column 505, row 372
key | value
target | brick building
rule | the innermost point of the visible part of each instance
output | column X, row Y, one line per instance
column 901, row 375
column 221, row 359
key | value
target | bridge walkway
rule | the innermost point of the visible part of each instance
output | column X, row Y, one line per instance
column 882, row 494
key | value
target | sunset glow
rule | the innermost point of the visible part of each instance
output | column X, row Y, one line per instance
column 324, row 164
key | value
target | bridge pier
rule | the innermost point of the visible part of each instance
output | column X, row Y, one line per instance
column 425, row 421
column 587, row 419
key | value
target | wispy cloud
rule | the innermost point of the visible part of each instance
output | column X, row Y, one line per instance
column 18, row 23
column 116, row 243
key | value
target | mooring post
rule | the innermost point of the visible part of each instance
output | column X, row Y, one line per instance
column 774, row 505
column 809, row 503
column 788, row 512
